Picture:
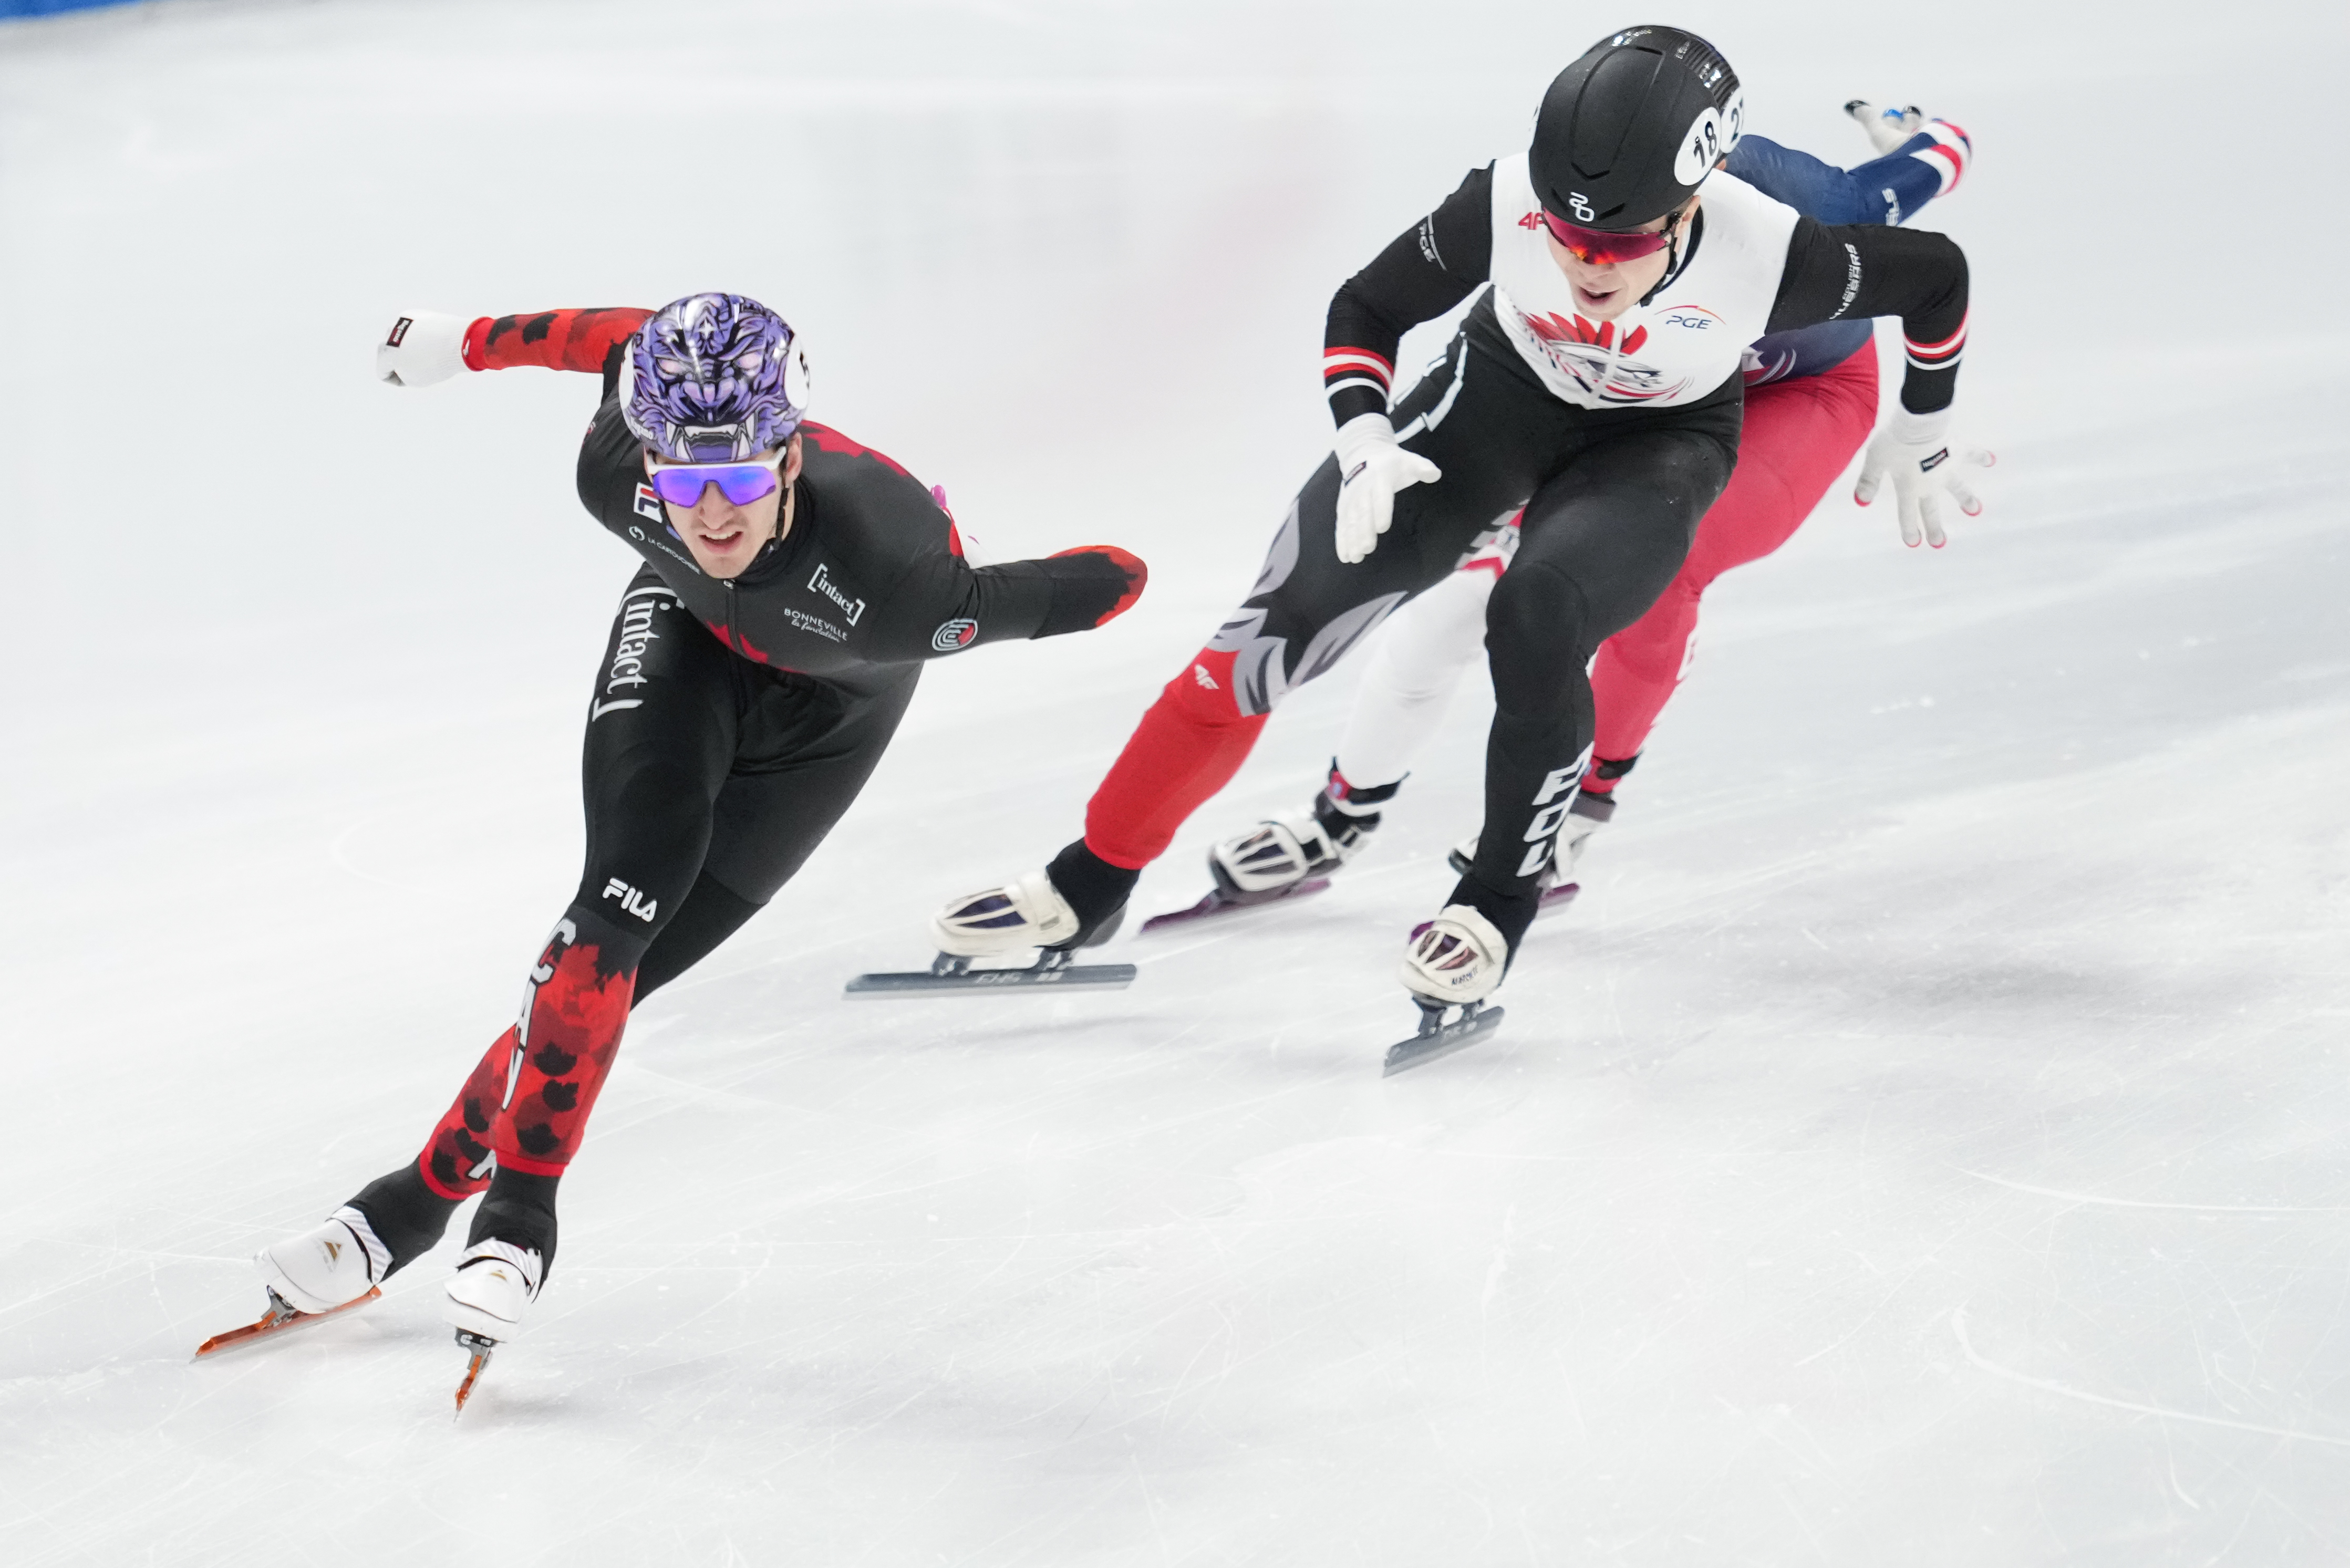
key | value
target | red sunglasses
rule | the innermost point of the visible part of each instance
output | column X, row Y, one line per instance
column 1601, row 247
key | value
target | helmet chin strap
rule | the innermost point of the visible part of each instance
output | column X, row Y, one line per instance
column 1680, row 257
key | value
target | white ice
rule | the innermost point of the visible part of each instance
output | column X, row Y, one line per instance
column 1923, row 1144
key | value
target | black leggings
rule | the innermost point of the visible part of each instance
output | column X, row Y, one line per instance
column 709, row 780
column 1612, row 501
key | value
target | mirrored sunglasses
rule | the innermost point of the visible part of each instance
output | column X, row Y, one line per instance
column 1600, row 247
column 681, row 484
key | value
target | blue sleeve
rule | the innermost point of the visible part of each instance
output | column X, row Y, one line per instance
column 1883, row 190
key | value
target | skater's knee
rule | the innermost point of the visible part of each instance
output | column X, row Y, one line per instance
column 1206, row 694
column 1537, row 635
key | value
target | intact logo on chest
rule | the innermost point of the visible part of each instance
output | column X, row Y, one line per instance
column 823, row 583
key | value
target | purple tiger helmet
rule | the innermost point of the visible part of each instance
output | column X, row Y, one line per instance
column 713, row 378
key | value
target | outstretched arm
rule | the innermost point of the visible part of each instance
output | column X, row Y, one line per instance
column 940, row 606
column 424, row 347
column 552, row 339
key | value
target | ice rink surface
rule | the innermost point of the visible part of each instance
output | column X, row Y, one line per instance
column 1923, row 1144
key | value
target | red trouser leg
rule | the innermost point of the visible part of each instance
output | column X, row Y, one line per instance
column 1189, row 745
column 570, row 1030
column 1799, row 436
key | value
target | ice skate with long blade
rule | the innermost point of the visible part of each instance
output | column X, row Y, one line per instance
column 280, row 1317
column 998, row 922
column 1283, row 859
column 327, row 1269
column 1436, row 1037
column 1453, row 961
column 493, row 1282
column 479, row 1349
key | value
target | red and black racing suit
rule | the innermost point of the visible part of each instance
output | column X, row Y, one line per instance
column 730, row 724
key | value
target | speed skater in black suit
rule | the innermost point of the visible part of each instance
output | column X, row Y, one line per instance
column 794, row 583
column 1598, row 386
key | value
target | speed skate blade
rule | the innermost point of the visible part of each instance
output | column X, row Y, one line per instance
column 1219, row 902
column 275, row 1322
column 954, row 981
column 478, row 1356
column 1429, row 1044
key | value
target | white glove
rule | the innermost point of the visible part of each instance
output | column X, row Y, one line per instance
column 422, row 346
column 1912, row 452
column 1372, row 467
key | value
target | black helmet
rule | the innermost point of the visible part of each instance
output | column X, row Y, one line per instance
column 1628, row 132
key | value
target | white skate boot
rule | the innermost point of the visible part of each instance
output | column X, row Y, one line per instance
column 1029, row 913
column 1272, row 858
column 1289, row 857
column 1454, row 962
column 327, row 1268
column 494, row 1281
column 1887, row 125
column 1456, row 959
column 1558, row 883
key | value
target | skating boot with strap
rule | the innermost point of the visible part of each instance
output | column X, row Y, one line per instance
column 1078, row 901
column 493, row 1282
column 505, row 1266
column 326, row 1268
column 1273, row 857
column 1458, row 958
column 343, row 1264
column 1452, row 965
column 1287, row 858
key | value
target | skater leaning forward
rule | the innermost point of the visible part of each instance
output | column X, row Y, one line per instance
column 1598, row 387
column 794, row 583
column 1811, row 402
